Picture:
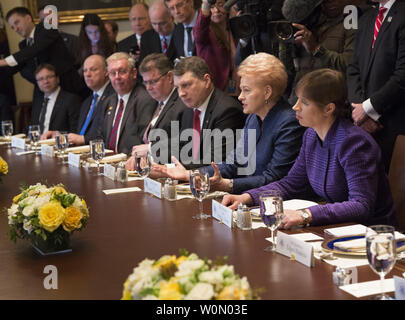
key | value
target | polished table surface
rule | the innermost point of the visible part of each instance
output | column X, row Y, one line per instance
column 126, row 228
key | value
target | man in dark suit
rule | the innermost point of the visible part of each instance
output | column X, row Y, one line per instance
column 185, row 14
column 71, row 41
column 40, row 46
column 208, row 109
column 59, row 109
column 96, row 77
column 129, row 110
column 157, row 73
column 159, row 39
column 376, row 76
column 140, row 22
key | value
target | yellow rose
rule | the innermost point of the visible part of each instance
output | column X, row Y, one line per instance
column 231, row 293
column 3, row 166
column 17, row 198
column 165, row 262
column 51, row 215
column 59, row 190
column 169, row 291
column 180, row 260
column 126, row 295
column 72, row 219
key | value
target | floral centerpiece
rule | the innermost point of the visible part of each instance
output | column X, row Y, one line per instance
column 186, row 277
column 47, row 216
column 3, row 167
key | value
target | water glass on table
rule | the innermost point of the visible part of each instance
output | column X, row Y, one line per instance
column 97, row 152
column 7, row 130
column 381, row 252
column 62, row 143
column 34, row 133
column 271, row 211
column 200, row 186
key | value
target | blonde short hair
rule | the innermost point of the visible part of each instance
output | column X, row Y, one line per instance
column 122, row 55
column 268, row 69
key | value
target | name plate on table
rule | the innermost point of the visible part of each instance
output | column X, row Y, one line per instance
column 109, row 171
column 399, row 288
column 18, row 143
column 222, row 213
column 289, row 246
column 47, row 151
column 74, row 159
column 153, row 187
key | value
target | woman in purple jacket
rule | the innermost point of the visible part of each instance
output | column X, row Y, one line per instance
column 338, row 162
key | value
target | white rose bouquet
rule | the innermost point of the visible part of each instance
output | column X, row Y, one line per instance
column 186, row 277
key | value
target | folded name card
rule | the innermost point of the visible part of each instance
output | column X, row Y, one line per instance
column 222, row 213
column 18, row 143
column 290, row 246
column 399, row 288
column 109, row 171
column 47, row 150
column 74, row 159
column 153, row 187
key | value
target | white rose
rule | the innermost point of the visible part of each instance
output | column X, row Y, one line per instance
column 40, row 201
column 27, row 201
column 150, row 297
column 12, row 212
column 27, row 226
column 187, row 267
column 201, row 291
column 213, row 277
column 28, row 211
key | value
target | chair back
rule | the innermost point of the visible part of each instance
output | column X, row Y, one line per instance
column 396, row 176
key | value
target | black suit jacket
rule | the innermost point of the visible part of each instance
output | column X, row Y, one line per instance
column 126, row 44
column 138, row 113
column 65, row 113
column 150, row 43
column 48, row 47
column 379, row 74
column 169, row 117
column 91, row 131
column 178, row 39
column 223, row 112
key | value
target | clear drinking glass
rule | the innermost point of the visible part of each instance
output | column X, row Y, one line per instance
column 7, row 130
column 62, row 142
column 34, row 132
column 200, row 186
column 271, row 211
column 143, row 164
column 381, row 252
column 97, row 152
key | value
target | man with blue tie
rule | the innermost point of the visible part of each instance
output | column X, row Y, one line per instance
column 96, row 78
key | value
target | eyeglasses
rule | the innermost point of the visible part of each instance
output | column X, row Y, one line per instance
column 46, row 78
column 120, row 72
column 154, row 81
column 177, row 6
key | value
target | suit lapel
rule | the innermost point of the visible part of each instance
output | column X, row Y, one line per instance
column 84, row 113
column 168, row 105
column 128, row 109
column 210, row 108
column 56, row 107
column 110, row 113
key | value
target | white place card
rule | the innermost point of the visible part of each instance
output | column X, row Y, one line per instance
column 74, row 159
column 109, row 171
column 222, row 213
column 307, row 236
column 369, row 288
column 347, row 231
column 121, row 190
column 288, row 245
column 47, row 151
column 18, row 143
column 399, row 288
column 153, row 187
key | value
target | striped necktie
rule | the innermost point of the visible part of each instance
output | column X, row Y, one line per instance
column 42, row 114
column 378, row 23
column 164, row 46
column 155, row 115
column 113, row 137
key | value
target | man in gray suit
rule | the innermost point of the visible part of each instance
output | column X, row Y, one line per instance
column 129, row 110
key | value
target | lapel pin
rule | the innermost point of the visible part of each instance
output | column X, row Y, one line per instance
column 389, row 19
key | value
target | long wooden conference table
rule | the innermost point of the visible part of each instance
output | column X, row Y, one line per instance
column 126, row 228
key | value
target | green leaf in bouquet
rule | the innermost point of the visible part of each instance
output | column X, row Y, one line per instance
column 184, row 252
column 149, row 291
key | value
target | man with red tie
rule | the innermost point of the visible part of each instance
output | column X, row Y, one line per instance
column 208, row 108
column 376, row 75
column 129, row 110
column 159, row 39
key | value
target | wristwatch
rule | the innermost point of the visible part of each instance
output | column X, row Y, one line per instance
column 319, row 52
column 305, row 217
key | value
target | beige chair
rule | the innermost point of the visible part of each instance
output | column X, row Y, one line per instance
column 396, row 178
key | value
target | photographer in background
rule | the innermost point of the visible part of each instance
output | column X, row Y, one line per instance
column 321, row 39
